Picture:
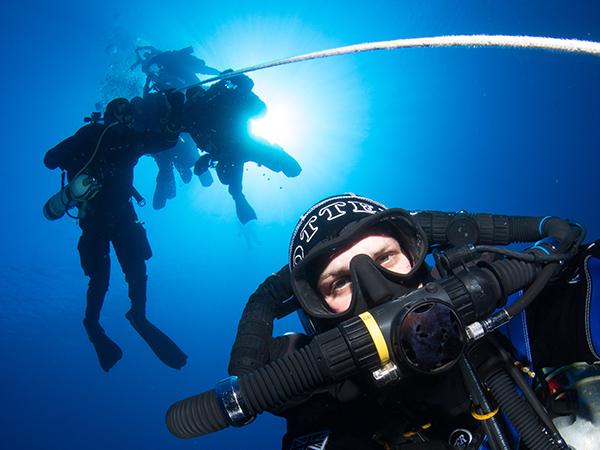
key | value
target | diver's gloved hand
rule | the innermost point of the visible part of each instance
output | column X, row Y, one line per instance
column 254, row 346
column 226, row 71
column 175, row 98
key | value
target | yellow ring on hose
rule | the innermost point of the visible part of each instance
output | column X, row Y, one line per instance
column 377, row 336
column 408, row 434
column 487, row 416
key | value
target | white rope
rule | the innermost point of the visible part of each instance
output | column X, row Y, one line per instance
column 482, row 40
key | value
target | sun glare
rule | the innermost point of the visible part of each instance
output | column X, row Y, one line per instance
column 315, row 110
column 276, row 126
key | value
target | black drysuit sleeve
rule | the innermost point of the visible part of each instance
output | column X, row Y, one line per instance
column 150, row 142
column 56, row 156
column 74, row 150
column 253, row 341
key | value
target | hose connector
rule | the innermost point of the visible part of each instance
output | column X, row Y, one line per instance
column 477, row 330
column 232, row 402
column 548, row 246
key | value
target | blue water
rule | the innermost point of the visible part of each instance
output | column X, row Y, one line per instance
column 486, row 130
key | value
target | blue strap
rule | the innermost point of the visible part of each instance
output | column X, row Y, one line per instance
column 516, row 331
column 542, row 224
column 592, row 306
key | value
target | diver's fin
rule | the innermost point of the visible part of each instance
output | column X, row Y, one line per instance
column 202, row 164
column 244, row 211
column 107, row 351
column 165, row 188
column 290, row 167
column 206, row 178
column 159, row 201
column 163, row 347
column 185, row 173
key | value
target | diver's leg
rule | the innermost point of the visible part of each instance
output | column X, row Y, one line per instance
column 132, row 249
column 244, row 211
column 271, row 156
column 201, row 169
column 95, row 260
column 231, row 175
column 97, row 286
column 165, row 181
column 186, row 154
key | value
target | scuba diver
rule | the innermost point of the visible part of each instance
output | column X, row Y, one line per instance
column 218, row 119
column 167, row 70
column 99, row 160
column 150, row 113
column 398, row 356
column 172, row 69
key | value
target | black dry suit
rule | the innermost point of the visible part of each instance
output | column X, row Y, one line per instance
column 352, row 414
column 218, row 120
column 420, row 411
column 110, row 153
column 426, row 408
column 412, row 367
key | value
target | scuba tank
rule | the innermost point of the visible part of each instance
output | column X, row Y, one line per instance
column 82, row 188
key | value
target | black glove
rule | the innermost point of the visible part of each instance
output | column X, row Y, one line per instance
column 175, row 99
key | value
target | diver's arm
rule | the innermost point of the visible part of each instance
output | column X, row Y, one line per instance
column 207, row 70
column 199, row 66
column 150, row 142
column 253, row 342
column 63, row 154
column 256, row 107
column 153, row 141
column 55, row 157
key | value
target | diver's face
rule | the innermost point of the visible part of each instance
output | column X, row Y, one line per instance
column 334, row 283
